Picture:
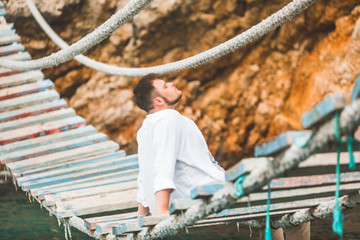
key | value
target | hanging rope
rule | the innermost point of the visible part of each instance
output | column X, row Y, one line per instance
column 255, row 32
column 349, row 120
column 90, row 40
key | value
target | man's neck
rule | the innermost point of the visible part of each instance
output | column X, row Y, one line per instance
column 158, row 108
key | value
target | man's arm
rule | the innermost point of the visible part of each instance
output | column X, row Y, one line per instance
column 162, row 201
column 143, row 211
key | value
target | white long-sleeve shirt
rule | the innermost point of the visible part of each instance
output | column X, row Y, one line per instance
column 173, row 154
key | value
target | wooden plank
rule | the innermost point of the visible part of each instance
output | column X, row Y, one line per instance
column 21, row 78
column 106, row 227
column 37, row 119
column 33, row 110
column 19, row 56
column 41, row 129
column 6, row 26
column 356, row 90
column 12, row 48
column 322, row 163
column 179, row 205
column 91, row 205
column 323, row 110
column 71, row 164
column 52, row 148
column 8, row 32
column 103, row 162
column 2, row 12
column 89, row 192
column 28, row 100
column 25, row 89
column 2, row 5
column 279, row 143
column 4, row 40
column 205, row 191
column 87, row 183
column 130, row 227
column 107, row 168
column 64, row 156
column 149, row 221
column 90, row 223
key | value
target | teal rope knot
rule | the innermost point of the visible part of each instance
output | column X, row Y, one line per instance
column 238, row 188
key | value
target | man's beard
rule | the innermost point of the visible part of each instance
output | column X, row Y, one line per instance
column 170, row 103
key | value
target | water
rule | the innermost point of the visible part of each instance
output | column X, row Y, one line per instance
column 22, row 220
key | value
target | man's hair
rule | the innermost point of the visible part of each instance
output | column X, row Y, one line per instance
column 144, row 92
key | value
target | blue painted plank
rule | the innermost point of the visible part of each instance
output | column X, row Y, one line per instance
column 52, row 148
column 33, row 110
column 4, row 40
column 8, row 32
column 356, row 90
column 37, row 119
column 20, row 56
column 146, row 221
column 25, row 89
column 2, row 5
column 90, row 223
column 179, row 205
column 10, row 49
column 27, row 100
column 21, row 78
column 6, row 26
column 49, row 139
column 205, row 191
column 279, row 143
column 323, row 110
column 2, row 12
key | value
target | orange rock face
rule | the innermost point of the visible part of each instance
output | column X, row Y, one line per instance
column 238, row 100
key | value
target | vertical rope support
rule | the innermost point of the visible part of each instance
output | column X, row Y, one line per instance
column 267, row 226
column 337, row 225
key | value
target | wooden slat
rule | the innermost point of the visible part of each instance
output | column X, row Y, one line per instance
column 21, row 78
column 2, row 12
column 90, row 223
column 2, row 5
column 22, row 90
column 88, row 192
column 52, row 148
column 148, row 221
column 91, row 205
column 8, row 32
column 64, row 156
column 37, row 119
column 323, row 110
column 12, row 48
column 356, row 90
column 205, row 191
column 4, row 40
column 6, row 26
column 129, row 227
column 279, row 143
column 179, row 205
column 19, row 56
column 28, row 100
column 41, row 129
column 100, row 170
column 33, row 110
column 107, row 227
column 71, row 164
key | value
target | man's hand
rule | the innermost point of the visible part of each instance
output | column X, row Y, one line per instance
column 143, row 211
column 162, row 201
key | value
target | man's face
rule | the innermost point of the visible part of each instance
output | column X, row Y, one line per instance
column 168, row 91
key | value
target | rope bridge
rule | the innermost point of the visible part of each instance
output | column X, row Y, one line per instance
column 77, row 174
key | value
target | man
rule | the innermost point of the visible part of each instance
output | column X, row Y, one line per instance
column 173, row 155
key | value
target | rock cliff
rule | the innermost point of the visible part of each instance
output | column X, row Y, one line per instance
column 238, row 100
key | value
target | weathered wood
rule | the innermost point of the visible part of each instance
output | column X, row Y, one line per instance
column 19, row 56
column 8, row 32
column 75, row 176
column 322, row 163
column 64, row 156
column 148, row 221
column 6, row 26
column 79, row 167
column 21, row 78
column 106, row 227
column 90, row 223
column 71, row 164
column 356, row 90
column 89, row 192
column 130, row 227
column 25, row 89
column 323, row 110
column 279, row 143
column 52, row 148
column 91, row 205
column 37, row 119
column 179, row 205
column 33, row 110
column 49, row 139
column 10, row 49
column 4, row 40
column 28, row 100
column 205, row 190
column 41, row 129
column 2, row 12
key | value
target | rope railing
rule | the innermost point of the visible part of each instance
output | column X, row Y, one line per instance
column 275, row 20
column 90, row 40
column 349, row 120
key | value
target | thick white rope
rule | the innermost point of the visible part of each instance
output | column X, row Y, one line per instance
column 90, row 40
column 255, row 32
column 349, row 121
column 323, row 210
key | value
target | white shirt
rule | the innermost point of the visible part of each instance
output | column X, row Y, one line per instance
column 173, row 154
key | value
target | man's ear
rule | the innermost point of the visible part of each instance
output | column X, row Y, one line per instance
column 158, row 101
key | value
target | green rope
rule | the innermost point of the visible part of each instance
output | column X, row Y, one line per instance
column 267, row 225
column 238, row 189
column 337, row 225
